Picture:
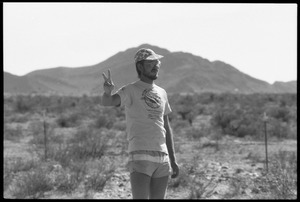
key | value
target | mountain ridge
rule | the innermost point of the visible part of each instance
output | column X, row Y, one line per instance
column 181, row 72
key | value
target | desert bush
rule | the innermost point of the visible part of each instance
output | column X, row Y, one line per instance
column 178, row 125
column 278, row 129
column 19, row 118
column 201, row 188
column 64, row 180
column 38, row 133
column 280, row 113
column 12, row 166
column 32, row 184
column 100, row 171
column 195, row 133
column 12, row 134
column 192, row 176
column 236, row 185
column 280, row 182
column 18, row 164
column 22, row 104
column 103, row 122
column 85, row 144
column 70, row 120
column 287, row 160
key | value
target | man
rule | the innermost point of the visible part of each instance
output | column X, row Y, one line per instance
column 151, row 147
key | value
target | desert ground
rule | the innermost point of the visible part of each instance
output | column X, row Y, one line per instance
column 59, row 147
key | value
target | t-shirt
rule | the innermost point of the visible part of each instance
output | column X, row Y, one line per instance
column 145, row 106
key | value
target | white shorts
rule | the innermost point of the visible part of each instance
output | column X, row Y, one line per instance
column 155, row 164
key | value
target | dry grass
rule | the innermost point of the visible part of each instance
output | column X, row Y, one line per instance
column 85, row 147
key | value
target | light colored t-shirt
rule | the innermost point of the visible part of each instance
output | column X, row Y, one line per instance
column 145, row 105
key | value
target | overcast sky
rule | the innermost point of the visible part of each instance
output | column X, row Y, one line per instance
column 257, row 39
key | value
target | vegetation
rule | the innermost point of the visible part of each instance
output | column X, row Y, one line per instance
column 74, row 145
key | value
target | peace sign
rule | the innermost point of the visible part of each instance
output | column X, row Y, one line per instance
column 108, row 83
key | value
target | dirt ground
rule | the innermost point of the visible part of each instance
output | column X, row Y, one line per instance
column 236, row 162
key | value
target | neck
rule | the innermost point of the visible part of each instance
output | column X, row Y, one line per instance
column 146, row 80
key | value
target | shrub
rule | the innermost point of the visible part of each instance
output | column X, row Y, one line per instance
column 68, row 121
column 280, row 182
column 85, row 144
column 32, row 184
column 278, row 129
column 178, row 125
column 22, row 104
column 103, row 122
column 64, row 180
column 19, row 118
column 13, row 166
column 100, row 171
column 195, row 133
column 201, row 189
column 280, row 113
column 12, row 134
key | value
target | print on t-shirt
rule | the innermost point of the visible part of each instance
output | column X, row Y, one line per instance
column 151, row 98
column 153, row 101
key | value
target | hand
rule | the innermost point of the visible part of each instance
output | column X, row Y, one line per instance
column 175, row 169
column 108, row 83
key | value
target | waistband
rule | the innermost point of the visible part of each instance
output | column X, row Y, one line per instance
column 153, row 156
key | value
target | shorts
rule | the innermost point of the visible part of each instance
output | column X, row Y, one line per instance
column 152, row 163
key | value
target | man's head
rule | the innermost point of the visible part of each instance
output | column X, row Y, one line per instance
column 147, row 63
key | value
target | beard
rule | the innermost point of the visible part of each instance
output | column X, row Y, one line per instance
column 150, row 75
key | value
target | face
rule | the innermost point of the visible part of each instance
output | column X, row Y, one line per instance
column 150, row 69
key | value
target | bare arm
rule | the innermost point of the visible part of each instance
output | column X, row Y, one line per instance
column 170, row 146
column 107, row 98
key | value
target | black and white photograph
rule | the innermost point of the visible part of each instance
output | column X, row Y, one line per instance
column 150, row 100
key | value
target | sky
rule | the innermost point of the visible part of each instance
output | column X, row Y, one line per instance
column 257, row 39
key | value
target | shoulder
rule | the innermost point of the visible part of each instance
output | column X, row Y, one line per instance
column 127, row 86
column 160, row 89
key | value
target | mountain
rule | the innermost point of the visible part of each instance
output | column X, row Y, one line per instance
column 180, row 72
column 289, row 87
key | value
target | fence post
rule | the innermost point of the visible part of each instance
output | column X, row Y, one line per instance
column 265, row 119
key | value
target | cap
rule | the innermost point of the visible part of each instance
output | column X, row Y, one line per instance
column 146, row 54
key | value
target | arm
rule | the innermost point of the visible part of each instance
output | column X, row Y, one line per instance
column 170, row 146
column 111, row 100
column 107, row 98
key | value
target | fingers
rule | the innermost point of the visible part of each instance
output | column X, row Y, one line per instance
column 107, row 78
column 175, row 171
column 109, row 75
column 175, row 174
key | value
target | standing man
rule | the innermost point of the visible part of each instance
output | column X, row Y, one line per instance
column 151, row 147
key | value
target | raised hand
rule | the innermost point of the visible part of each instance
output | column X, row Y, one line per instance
column 108, row 83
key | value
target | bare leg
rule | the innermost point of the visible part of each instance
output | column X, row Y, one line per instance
column 158, row 187
column 140, row 185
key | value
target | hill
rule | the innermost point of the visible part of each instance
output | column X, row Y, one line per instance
column 180, row 72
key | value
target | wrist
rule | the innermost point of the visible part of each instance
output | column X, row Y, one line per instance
column 173, row 160
column 107, row 93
